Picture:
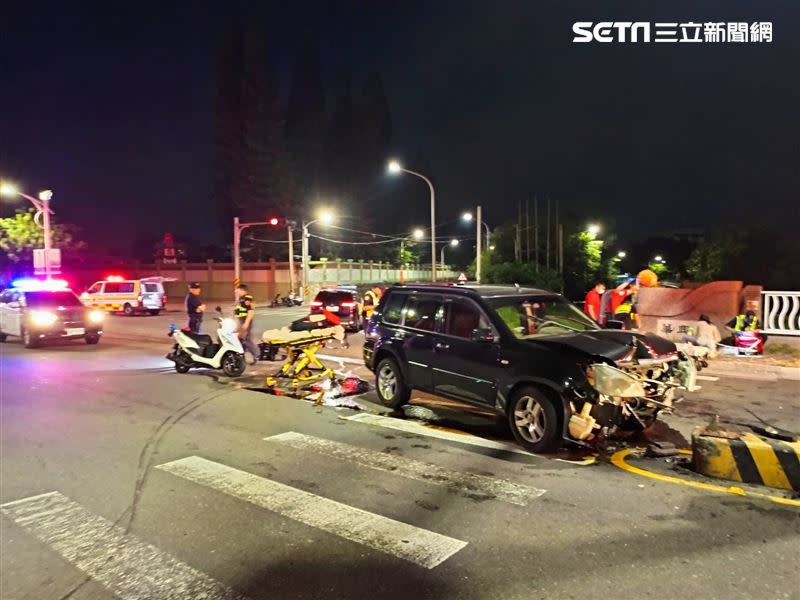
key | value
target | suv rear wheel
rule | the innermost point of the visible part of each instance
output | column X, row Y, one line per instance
column 391, row 385
column 533, row 420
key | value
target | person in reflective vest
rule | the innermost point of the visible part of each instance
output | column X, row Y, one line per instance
column 245, row 312
column 626, row 312
column 369, row 303
column 746, row 333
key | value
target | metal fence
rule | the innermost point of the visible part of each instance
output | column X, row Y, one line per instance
column 781, row 312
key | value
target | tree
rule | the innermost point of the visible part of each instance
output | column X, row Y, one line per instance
column 711, row 258
column 252, row 174
column 306, row 121
column 20, row 235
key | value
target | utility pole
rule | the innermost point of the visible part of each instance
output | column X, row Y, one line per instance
column 237, row 234
column 547, row 236
column 536, row 230
column 527, row 230
column 478, row 235
column 290, row 228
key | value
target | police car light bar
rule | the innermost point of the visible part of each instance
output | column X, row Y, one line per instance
column 30, row 284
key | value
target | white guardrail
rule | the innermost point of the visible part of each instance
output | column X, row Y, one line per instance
column 781, row 312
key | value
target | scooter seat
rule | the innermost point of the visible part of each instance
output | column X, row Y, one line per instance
column 201, row 338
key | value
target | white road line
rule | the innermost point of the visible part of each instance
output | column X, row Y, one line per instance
column 414, row 544
column 124, row 564
column 442, row 434
column 707, row 378
column 463, row 483
column 462, row 438
column 342, row 359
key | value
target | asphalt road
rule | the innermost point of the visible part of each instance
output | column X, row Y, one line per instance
column 121, row 478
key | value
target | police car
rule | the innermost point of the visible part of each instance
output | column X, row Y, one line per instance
column 37, row 311
column 128, row 296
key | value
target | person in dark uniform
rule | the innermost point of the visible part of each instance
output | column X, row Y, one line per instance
column 245, row 313
column 194, row 307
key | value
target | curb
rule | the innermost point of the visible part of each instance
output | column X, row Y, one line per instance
column 747, row 458
column 757, row 371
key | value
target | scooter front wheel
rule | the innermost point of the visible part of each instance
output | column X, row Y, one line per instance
column 181, row 368
column 233, row 364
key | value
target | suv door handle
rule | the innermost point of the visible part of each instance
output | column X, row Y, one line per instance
column 441, row 346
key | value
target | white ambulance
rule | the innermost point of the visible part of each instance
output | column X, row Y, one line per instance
column 128, row 296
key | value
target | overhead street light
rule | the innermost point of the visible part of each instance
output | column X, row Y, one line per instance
column 418, row 234
column 467, row 216
column 326, row 217
column 621, row 254
column 593, row 229
column 453, row 244
column 394, row 168
column 658, row 258
column 42, row 205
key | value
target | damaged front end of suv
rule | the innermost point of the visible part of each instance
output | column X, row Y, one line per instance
column 628, row 392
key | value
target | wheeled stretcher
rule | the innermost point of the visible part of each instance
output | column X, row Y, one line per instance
column 302, row 366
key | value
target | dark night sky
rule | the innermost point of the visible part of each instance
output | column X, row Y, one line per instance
column 112, row 107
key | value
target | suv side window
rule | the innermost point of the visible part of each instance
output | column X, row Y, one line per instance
column 462, row 317
column 421, row 312
column 393, row 311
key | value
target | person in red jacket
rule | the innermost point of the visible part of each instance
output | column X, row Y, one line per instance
column 591, row 306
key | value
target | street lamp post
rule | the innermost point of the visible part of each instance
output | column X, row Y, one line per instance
column 42, row 205
column 325, row 217
column 395, row 167
column 478, row 235
column 453, row 244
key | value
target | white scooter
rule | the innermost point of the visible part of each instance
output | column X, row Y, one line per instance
column 199, row 350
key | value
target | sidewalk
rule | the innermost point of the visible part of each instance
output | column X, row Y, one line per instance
column 751, row 368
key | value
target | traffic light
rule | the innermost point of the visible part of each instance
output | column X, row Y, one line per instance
column 275, row 221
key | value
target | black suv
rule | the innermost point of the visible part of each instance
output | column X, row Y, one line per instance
column 530, row 355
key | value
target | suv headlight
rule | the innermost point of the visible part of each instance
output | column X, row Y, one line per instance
column 43, row 318
column 611, row 381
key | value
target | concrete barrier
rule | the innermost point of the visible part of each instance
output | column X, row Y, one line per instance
column 747, row 458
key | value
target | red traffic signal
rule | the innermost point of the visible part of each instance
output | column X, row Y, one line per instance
column 274, row 221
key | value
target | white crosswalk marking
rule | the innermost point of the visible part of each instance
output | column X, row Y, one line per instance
column 453, row 436
column 442, row 434
column 414, row 544
column 464, row 483
column 129, row 567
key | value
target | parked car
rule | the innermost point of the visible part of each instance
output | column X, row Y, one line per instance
column 128, row 296
column 529, row 355
column 344, row 302
column 38, row 311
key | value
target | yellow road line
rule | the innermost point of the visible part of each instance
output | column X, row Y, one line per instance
column 618, row 460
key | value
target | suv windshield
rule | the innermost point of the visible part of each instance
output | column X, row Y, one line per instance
column 540, row 316
column 49, row 299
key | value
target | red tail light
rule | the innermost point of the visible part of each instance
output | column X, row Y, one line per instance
column 164, row 300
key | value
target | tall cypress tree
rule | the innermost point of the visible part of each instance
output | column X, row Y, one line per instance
column 251, row 177
column 306, row 122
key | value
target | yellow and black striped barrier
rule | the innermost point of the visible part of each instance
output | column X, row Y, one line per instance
column 747, row 458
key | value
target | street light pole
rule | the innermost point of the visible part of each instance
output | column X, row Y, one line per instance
column 290, row 229
column 394, row 167
column 478, row 236
column 42, row 206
